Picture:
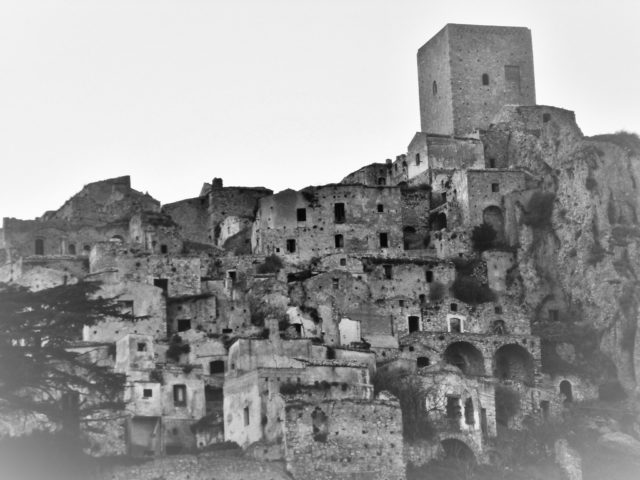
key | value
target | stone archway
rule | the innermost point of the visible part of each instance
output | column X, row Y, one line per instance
column 513, row 362
column 466, row 357
column 457, row 450
column 567, row 390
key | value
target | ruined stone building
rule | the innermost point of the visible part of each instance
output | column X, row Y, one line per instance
column 264, row 318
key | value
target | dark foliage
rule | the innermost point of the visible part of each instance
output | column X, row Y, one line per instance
column 539, row 210
column 39, row 370
column 271, row 264
column 483, row 237
column 469, row 290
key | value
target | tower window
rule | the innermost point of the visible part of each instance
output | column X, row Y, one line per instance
column 163, row 249
column 485, row 79
column 39, row 246
column 380, row 208
column 429, row 276
column 417, row 159
column 434, row 88
column 339, row 241
column 291, row 245
column 339, row 213
column 384, row 240
column 301, row 214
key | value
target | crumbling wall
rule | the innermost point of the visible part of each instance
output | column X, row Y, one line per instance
column 336, row 439
column 192, row 215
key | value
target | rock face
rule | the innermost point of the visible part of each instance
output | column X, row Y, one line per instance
column 579, row 239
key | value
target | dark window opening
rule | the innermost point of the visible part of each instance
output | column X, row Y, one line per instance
column 429, row 276
column 335, row 283
column 86, row 249
column 339, row 213
column 298, row 328
column 343, row 262
column 163, row 283
column 142, row 347
column 164, row 249
column 469, row 416
column 567, row 391
column 401, row 303
column 497, row 309
column 423, row 298
column 422, row 362
column 246, row 416
column 216, row 366
column 184, row 325
column 232, row 275
column 388, row 272
column 495, row 187
column 417, row 159
column 339, row 241
column 380, row 208
column 546, row 117
column 72, row 249
column 384, row 240
column 147, row 393
column 434, row 87
column 492, row 163
column 179, row 395
column 301, row 214
column 39, row 248
column 499, row 327
column 485, row 79
column 455, row 325
column 444, row 197
column 554, row 315
column 320, row 424
column 414, row 324
column 382, row 181
column 291, row 245
column 454, row 307
column 454, row 411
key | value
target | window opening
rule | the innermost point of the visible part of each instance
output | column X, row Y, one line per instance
column 184, row 325
column 414, row 324
column 339, row 213
column 429, row 276
column 39, row 248
column 179, row 395
column 147, row 393
column 384, row 240
column 216, row 366
column 485, row 79
column 388, row 272
column 301, row 214
column 380, row 208
column 422, row 362
column 339, row 241
column 291, row 245
column 495, row 187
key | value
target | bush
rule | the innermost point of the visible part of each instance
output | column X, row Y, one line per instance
column 469, row 290
column 483, row 237
column 539, row 210
column 271, row 264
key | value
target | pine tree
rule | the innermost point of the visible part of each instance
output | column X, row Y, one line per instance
column 40, row 371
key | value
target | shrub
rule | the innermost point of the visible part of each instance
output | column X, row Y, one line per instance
column 271, row 264
column 483, row 237
column 469, row 290
column 539, row 210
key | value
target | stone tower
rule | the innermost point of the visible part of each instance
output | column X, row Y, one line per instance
column 466, row 73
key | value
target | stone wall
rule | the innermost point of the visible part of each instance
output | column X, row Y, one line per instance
column 337, row 439
column 192, row 215
column 370, row 175
column 367, row 213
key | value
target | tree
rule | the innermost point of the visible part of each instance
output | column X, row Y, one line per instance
column 40, row 371
column 483, row 237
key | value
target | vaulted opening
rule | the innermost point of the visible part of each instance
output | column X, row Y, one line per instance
column 513, row 362
column 466, row 357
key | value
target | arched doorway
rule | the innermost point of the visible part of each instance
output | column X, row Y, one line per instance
column 466, row 357
column 493, row 216
column 567, row 391
column 457, row 450
column 513, row 362
column 437, row 221
column 39, row 246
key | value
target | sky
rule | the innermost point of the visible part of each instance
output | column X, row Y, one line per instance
column 274, row 93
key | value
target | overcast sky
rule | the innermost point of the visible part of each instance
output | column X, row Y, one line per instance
column 278, row 93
